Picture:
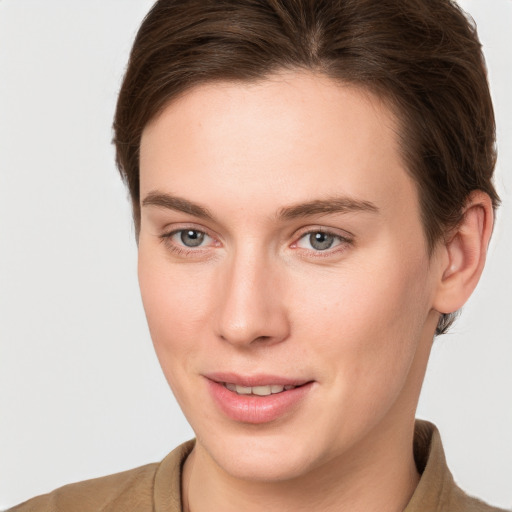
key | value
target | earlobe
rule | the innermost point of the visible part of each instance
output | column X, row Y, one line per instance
column 464, row 254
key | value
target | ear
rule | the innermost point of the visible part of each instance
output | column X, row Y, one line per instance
column 463, row 254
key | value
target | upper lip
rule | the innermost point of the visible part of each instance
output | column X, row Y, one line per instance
column 255, row 380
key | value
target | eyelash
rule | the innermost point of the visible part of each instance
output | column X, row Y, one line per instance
column 343, row 243
column 183, row 250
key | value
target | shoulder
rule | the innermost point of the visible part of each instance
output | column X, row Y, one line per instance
column 143, row 489
column 98, row 494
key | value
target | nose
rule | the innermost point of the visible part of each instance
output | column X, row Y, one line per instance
column 251, row 307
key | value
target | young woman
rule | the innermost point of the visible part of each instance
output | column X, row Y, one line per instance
column 312, row 194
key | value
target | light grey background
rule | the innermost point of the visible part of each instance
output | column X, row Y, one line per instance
column 81, row 392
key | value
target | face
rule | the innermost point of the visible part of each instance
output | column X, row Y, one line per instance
column 284, row 272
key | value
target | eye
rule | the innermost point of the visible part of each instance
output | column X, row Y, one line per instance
column 320, row 241
column 191, row 237
column 188, row 238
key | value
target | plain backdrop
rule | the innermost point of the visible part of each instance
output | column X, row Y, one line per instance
column 81, row 392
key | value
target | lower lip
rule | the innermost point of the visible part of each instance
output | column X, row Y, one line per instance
column 256, row 409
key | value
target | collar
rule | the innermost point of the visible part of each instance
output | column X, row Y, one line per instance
column 436, row 490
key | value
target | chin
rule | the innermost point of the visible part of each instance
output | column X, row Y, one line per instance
column 260, row 456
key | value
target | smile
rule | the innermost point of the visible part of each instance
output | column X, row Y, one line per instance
column 270, row 389
column 257, row 399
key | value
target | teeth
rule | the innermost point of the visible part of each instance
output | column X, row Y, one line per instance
column 242, row 390
column 262, row 390
column 257, row 390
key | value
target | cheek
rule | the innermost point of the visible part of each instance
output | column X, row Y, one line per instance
column 176, row 306
column 382, row 296
column 364, row 329
column 368, row 320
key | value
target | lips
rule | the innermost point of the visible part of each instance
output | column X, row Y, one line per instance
column 256, row 399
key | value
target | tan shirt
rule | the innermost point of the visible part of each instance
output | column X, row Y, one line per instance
column 156, row 487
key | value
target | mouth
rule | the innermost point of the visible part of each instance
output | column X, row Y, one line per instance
column 270, row 389
column 257, row 399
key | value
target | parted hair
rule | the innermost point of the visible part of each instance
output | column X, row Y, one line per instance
column 423, row 57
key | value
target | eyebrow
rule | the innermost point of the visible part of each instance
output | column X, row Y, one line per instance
column 179, row 204
column 327, row 206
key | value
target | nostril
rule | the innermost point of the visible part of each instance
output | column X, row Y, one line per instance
column 262, row 338
column 257, row 339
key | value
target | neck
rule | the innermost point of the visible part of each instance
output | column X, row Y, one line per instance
column 379, row 476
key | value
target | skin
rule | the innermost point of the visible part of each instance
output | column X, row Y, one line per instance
column 256, row 296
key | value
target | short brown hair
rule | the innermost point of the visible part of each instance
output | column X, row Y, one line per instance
column 422, row 56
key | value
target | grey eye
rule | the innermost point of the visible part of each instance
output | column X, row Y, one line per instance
column 191, row 237
column 321, row 241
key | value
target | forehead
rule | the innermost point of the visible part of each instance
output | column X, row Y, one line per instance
column 291, row 137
